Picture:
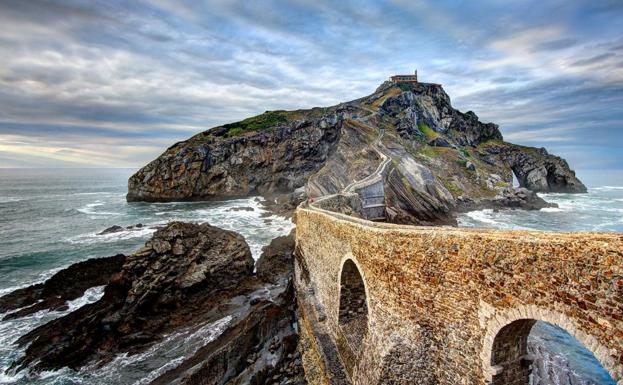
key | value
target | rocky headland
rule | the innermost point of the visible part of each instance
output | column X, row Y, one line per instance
column 443, row 161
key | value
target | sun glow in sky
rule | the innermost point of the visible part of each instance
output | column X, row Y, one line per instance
column 114, row 83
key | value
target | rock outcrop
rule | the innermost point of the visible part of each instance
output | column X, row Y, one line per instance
column 186, row 276
column 183, row 268
column 66, row 285
column 438, row 154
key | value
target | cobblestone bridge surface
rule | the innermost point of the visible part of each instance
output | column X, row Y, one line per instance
column 391, row 304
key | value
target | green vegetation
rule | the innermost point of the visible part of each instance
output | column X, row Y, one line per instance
column 234, row 132
column 266, row 120
column 433, row 152
column 428, row 132
column 465, row 152
column 461, row 162
column 454, row 189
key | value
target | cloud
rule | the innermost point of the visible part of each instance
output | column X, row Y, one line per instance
column 114, row 83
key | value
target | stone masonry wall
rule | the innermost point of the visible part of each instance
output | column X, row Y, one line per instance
column 437, row 297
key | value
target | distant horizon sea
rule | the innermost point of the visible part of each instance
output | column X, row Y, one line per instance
column 50, row 218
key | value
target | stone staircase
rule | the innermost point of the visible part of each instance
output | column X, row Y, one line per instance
column 371, row 189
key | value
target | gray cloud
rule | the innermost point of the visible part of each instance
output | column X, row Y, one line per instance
column 139, row 76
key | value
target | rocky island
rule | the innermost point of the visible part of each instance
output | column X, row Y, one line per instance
column 443, row 161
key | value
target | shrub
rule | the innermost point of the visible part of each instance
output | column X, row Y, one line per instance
column 266, row 120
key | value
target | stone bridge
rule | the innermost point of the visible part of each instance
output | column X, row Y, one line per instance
column 391, row 304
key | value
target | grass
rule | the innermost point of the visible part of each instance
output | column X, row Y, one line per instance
column 465, row 153
column 428, row 132
column 454, row 189
column 266, row 120
column 461, row 162
column 433, row 152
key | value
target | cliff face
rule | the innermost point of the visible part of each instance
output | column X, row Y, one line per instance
column 273, row 152
column 443, row 160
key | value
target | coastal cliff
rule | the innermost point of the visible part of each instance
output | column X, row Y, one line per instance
column 442, row 160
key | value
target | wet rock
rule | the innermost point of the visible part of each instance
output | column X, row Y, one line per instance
column 276, row 259
column 154, row 292
column 260, row 346
column 66, row 285
column 111, row 229
column 507, row 198
column 439, row 142
column 241, row 209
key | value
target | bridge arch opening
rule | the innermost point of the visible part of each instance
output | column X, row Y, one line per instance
column 532, row 352
column 353, row 310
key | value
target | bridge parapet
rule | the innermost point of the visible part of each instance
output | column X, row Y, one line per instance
column 440, row 300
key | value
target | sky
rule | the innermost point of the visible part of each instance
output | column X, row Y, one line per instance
column 114, row 83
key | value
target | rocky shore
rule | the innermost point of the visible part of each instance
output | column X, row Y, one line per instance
column 187, row 275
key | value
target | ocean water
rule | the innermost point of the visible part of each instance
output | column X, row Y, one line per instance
column 50, row 219
column 601, row 209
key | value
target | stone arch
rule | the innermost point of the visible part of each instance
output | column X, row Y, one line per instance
column 353, row 313
column 505, row 356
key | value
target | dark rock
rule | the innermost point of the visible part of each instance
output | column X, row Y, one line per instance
column 507, row 198
column 439, row 142
column 276, row 259
column 66, row 285
column 155, row 291
column 241, row 209
column 537, row 170
column 111, row 229
column 212, row 165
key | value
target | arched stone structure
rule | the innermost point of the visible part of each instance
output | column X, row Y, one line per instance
column 352, row 312
column 461, row 287
column 505, row 359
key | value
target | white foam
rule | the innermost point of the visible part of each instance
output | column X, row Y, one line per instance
column 10, row 199
column 551, row 209
column 90, row 295
column 94, row 237
column 90, row 209
column 483, row 216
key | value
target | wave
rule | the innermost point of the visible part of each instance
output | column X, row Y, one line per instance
column 10, row 199
column 483, row 216
column 12, row 330
column 551, row 209
column 90, row 209
column 96, row 237
column 607, row 188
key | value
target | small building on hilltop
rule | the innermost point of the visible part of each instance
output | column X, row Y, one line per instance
column 404, row 78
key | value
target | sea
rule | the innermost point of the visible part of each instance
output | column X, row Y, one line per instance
column 51, row 218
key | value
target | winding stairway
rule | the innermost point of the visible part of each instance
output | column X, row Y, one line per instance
column 371, row 189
